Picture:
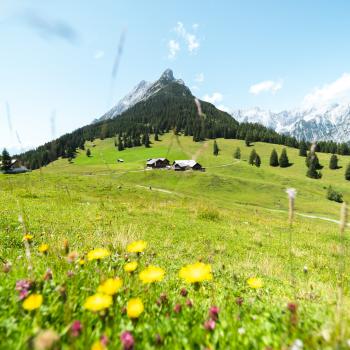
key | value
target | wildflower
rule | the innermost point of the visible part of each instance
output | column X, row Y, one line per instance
column 27, row 237
column 189, row 303
column 70, row 273
column 152, row 274
column 297, row 345
column 66, row 246
column 97, row 345
column 7, row 267
column 254, row 282
column 241, row 330
column 209, row 325
column 131, row 266
column 23, row 287
column 45, row 340
column 292, row 307
column 110, row 286
column 158, row 339
column 32, row 302
column 292, row 193
column 136, row 247
column 76, row 328
column 98, row 302
column 81, row 261
column 134, row 308
column 43, row 248
column 214, row 313
column 48, row 275
column 127, row 340
column 177, row 308
column 98, row 254
column 239, row 301
column 195, row 273
column 72, row 256
column 104, row 340
column 184, row 292
column 305, row 269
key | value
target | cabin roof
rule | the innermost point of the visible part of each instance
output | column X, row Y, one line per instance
column 155, row 160
column 185, row 163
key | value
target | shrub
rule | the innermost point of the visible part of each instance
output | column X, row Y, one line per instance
column 333, row 195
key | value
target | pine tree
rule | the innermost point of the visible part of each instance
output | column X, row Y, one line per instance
column 333, row 162
column 146, row 140
column 247, row 140
column 284, row 161
column 88, row 152
column 237, row 154
column 303, row 149
column 312, row 170
column 347, row 173
column 252, row 157
column 6, row 160
column 215, row 149
column 257, row 161
column 313, row 155
column 120, row 143
column 274, row 158
column 156, row 138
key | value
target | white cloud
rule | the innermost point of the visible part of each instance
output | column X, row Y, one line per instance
column 99, row 54
column 195, row 26
column 224, row 108
column 337, row 91
column 266, row 86
column 174, row 48
column 214, row 98
column 191, row 40
column 199, row 78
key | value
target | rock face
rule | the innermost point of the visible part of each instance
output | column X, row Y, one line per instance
column 331, row 122
column 141, row 92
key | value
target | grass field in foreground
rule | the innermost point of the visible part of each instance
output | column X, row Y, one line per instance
column 220, row 217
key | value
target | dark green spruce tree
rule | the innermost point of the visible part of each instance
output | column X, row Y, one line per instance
column 257, row 161
column 120, row 143
column 302, row 149
column 237, row 154
column 6, row 160
column 347, row 172
column 312, row 171
column 88, row 152
column 313, row 156
column 252, row 157
column 333, row 162
column 215, row 148
column 284, row 161
column 274, row 158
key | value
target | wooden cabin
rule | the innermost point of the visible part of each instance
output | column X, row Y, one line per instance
column 188, row 164
column 157, row 163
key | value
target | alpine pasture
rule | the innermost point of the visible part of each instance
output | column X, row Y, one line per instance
column 215, row 263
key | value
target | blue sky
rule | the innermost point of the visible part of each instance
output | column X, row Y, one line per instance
column 57, row 56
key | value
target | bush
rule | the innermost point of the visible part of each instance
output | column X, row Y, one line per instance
column 333, row 195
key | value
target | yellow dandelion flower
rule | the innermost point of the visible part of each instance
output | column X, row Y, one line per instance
column 98, row 254
column 27, row 237
column 131, row 266
column 43, row 248
column 33, row 302
column 98, row 302
column 152, row 274
column 97, row 345
column 136, row 247
column 134, row 308
column 197, row 272
column 110, row 286
column 81, row 261
column 254, row 282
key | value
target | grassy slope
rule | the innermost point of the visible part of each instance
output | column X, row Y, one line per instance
column 217, row 216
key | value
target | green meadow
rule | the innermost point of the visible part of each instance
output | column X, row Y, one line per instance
column 233, row 218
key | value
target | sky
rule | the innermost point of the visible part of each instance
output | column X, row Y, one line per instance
column 64, row 63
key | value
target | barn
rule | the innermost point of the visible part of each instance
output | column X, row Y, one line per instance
column 157, row 163
column 188, row 164
column 15, row 168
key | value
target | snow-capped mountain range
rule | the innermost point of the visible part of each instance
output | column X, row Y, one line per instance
column 331, row 122
column 141, row 92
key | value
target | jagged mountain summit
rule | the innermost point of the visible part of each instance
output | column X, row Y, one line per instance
column 141, row 92
column 329, row 122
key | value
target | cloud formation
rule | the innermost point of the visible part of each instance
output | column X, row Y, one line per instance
column 190, row 38
column 214, row 98
column 266, row 86
column 50, row 28
column 199, row 78
column 336, row 91
column 174, row 48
